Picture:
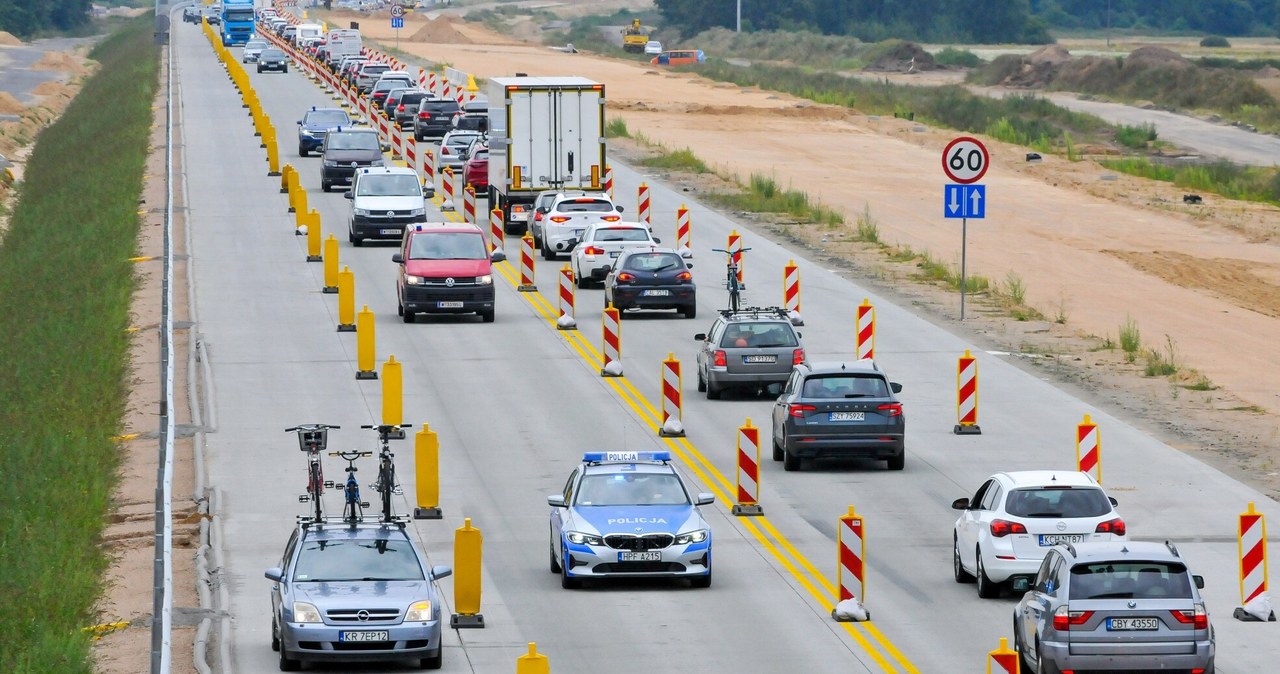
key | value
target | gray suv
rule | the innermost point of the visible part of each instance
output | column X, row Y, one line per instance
column 749, row 348
column 1118, row 605
column 839, row 409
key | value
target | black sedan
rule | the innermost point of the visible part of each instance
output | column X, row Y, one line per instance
column 839, row 410
column 651, row 278
column 273, row 59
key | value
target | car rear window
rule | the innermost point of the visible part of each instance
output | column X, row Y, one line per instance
column 1057, row 502
column 622, row 234
column 584, row 206
column 462, row 139
column 412, row 97
column 761, row 335
column 441, row 106
column 1130, row 579
column 654, row 262
column 845, row 386
column 371, row 69
column 348, row 560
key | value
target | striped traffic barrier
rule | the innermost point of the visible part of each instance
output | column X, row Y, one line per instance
column 411, row 156
column 866, row 344
column 612, row 329
column 967, row 395
column 1251, row 543
column 851, row 547
column 469, row 204
column 791, row 292
column 748, row 471
column 672, row 412
column 608, row 180
column 330, row 265
column 1003, row 660
column 566, row 320
column 432, row 85
column 397, row 142
column 684, row 236
column 735, row 250
column 366, row 357
column 1089, row 448
column 496, row 238
column 446, row 181
column 346, row 300
column 526, row 265
column 642, row 196
column 429, row 168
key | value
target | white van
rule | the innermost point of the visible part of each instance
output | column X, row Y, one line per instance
column 308, row 31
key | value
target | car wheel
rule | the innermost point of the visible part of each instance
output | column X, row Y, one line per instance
column 582, row 282
column 957, row 568
column 302, row 151
column 409, row 316
column 433, row 661
column 690, row 311
column 288, row 664
column 987, row 589
column 285, row 69
column 790, row 462
column 701, row 581
column 487, row 316
column 324, row 187
column 713, row 390
column 537, row 240
column 275, row 636
column 898, row 462
column 547, row 253
column 260, row 72
column 399, row 309
column 702, row 384
column 555, row 563
column 566, row 581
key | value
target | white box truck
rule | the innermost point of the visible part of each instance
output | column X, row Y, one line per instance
column 545, row 133
column 342, row 42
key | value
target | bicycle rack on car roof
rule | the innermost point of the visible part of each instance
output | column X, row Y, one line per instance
column 756, row 312
column 309, row 521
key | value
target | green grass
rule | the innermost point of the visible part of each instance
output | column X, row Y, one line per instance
column 1130, row 339
column 1136, row 137
column 1162, row 363
column 762, row 194
column 616, row 127
column 677, row 160
column 1245, row 183
column 868, row 228
column 950, row 56
column 65, row 284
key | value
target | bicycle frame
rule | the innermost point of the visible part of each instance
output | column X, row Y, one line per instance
column 732, row 283
column 386, row 484
column 312, row 439
column 353, row 507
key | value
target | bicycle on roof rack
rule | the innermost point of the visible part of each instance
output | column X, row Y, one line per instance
column 312, row 439
column 732, row 282
column 386, row 484
column 353, row 507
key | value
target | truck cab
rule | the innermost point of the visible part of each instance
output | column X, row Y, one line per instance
column 238, row 20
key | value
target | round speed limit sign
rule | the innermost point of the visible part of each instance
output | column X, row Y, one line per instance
column 397, row 11
column 965, row 160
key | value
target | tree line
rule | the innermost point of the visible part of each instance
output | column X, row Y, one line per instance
column 32, row 18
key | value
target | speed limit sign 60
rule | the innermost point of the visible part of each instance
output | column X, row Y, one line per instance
column 397, row 11
column 965, row 160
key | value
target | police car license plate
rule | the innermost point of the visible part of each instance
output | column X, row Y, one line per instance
column 380, row 635
column 448, row 305
column 651, row 556
column 847, row 416
column 656, row 293
column 763, row 358
column 1047, row 540
column 1130, row 624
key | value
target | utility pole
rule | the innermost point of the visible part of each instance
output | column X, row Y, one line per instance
column 1108, row 24
column 739, row 28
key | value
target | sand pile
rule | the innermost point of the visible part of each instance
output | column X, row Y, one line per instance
column 1037, row 69
column 440, row 31
column 1148, row 57
column 9, row 39
column 10, row 105
column 60, row 61
column 906, row 57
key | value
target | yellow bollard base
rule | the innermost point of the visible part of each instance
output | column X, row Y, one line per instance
column 459, row 621
column 275, row 174
column 428, row 514
column 748, row 510
column 346, row 327
column 967, row 429
column 366, row 374
column 330, row 290
column 315, row 258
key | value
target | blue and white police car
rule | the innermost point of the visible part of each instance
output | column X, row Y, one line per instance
column 629, row 514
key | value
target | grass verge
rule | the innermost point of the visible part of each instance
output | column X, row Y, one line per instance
column 66, row 353
column 1246, row 183
column 762, row 194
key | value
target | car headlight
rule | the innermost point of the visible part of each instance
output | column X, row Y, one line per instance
column 330, row 163
column 579, row 538
column 486, row 280
column 418, row 211
column 418, row 612
column 305, row 613
column 413, row 280
column 362, row 212
column 692, row 537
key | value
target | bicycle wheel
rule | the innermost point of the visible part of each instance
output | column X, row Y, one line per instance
column 316, row 487
column 386, row 484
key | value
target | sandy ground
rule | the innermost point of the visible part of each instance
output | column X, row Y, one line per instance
column 1091, row 247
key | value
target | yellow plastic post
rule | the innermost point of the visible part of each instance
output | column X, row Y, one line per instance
column 426, row 456
column 331, row 265
column 392, row 392
column 467, row 544
column 273, row 153
column 365, row 344
column 533, row 662
column 299, row 205
column 346, row 300
column 285, row 176
column 313, row 236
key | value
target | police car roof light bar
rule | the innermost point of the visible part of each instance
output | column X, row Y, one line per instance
column 625, row 457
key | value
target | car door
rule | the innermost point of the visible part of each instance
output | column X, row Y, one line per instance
column 1035, row 605
column 781, row 404
column 281, row 589
column 558, row 514
column 967, row 526
column 704, row 350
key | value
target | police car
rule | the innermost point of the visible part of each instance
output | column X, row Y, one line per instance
column 629, row 514
column 317, row 122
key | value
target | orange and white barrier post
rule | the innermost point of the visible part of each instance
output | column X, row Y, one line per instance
column 526, row 265
column 967, row 395
column 608, row 180
column 735, row 250
column 791, row 292
column 643, row 198
column 1003, row 660
column 684, row 237
column 672, row 413
column 866, row 347
column 469, row 204
column 1089, row 448
column 748, row 471
column 432, row 84
column 447, row 183
column 612, row 328
column 566, row 320
column 496, row 238
column 397, row 142
column 1252, row 547
column 429, row 168
column 851, row 547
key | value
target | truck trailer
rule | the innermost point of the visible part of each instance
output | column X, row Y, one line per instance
column 545, row 133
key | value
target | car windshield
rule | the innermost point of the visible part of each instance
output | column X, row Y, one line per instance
column 328, row 117
column 272, row 54
column 448, row 246
column 353, row 141
column 761, row 335
column 1129, row 579
column 584, row 206
column 842, row 385
column 620, row 489
column 240, row 14
column 654, row 262
column 389, row 186
column 255, row 44
column 1057, row 502
column 622, row 234
column 346, row 560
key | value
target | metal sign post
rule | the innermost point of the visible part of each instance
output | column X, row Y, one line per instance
column 397, row 21
column 965, row 161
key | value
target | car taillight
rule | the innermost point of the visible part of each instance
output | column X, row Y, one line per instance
column 891, row 409
column 424, row 115
column 684, row 277
column 797, row 410
column 797, row 357
column 1064, row 620
column 559, row 218
column 445, row 150
column 1196, row 617
column 625, row 277
column 1002, row 528
column 720, row 359
column 611, row 218
column 591, row 250
column 1115, row 526
column 400, row 108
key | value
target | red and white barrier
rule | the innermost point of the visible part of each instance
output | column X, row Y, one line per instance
column 748, row 471
column 397, row 142
column 411, row 157
column 866, row 344
column 735, row 250
column 684, row 236
column 612, row 329
column 642, row 196
column 1252, row 546
column 446, row 181
column 967, row 395
column 566, row 320
column 469, row 204
column 672, row 408
column 1003, row 660
column 428, row 167
column 791, row 291
column 432, row 85
column 1089, row 448
column 608, row 180
column 526, row 264
column 496, row 238
column 853, row 555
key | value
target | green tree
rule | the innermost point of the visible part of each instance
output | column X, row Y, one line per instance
column 30, row 18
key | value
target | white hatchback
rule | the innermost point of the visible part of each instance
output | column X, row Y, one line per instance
column 653, row 48
column 601, row 244
column 1007, row 527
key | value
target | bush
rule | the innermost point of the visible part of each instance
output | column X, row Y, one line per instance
column 1215, row 41
column 963, row 58
column 1136, row 137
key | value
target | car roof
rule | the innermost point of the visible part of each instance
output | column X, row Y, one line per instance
column 629, row 252
column 1043, row 478
column 830, row 367
column 1146, row 551
column 362, row 531
column 458, row 227
column 618, row 225
column 356, row 129
column 574, row 196
column 756, row 314
column 315, row 109
column 388, row 170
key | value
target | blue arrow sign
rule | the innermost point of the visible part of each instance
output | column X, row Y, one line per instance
column 397, row 22
column 964, row 201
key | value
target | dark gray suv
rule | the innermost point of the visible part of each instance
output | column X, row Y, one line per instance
column 750, row 348
column 1122, row 605
column 839, row 409
column 346, row 150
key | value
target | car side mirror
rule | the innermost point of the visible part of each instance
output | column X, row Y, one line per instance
column 688, row 265
column 556, row 500
column 774, row 389
column 397, row 258
column 657, row 240
column 441, row 571
column 701, row 337
column 299, row 122
column 497, row 256
column 620, row 208
column 349, row 195
column 386, row 147
column 960, row 504
column 1021, row 584
column 275, row 573
column 573, row 243
column 1199, row 581
column 895, row 387
column 706, row 498
column 1113, row 500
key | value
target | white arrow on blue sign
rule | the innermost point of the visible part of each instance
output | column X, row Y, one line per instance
column 397, row 22
column 965, row 201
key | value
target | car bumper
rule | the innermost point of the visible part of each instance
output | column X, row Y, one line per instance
column 282, row 67
column 320, row 643
column 311, row 142
column 723, row 377
column 635, row 298
column 877, row 447
column 597, row 268
column 1061, row 656
column 598, row 561
column 342, row 173
column 438, row 299
column 384, row 228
